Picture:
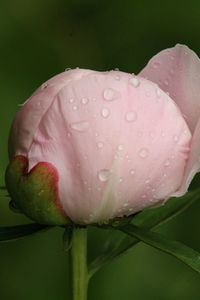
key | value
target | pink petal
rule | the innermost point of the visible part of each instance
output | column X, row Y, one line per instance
column 29, row 117
column 118, row 142
column 177, row 72
column 193, row 164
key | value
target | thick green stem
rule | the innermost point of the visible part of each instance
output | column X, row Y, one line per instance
column 79, row 270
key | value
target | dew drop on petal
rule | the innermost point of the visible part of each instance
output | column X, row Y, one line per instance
column 109, row 94
column 144, row 152
column 162, row 134
column 75, row 107
column 120, row 147
column 132, row 172
column 100, row 145
column 104, row 175
column 105, row 112
column 175, row 138
column 147, row 180
column 167, row 163
column 151, row 134
column 131, row 116
column 84, row 100
column 166, row 82
column 158, row 93
column 156, row 64
column 134, row 81
column 71, row 100
column 44, row 85
column 80, row 126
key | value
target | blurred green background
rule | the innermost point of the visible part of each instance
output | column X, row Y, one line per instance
column 41, row 38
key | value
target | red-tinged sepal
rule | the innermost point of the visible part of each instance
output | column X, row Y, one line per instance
column 35, row 193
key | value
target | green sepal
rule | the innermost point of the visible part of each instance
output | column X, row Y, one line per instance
column 35, row 193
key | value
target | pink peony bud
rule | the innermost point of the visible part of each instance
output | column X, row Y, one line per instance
column 90, row 146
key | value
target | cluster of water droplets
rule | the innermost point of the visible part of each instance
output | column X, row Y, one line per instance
column 104, row 175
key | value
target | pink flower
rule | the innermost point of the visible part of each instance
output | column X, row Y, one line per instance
column 90, row 146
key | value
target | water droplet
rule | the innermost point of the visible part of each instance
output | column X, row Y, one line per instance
column 131, row 116
column 134, row 81
column 67, row 69
column 71, row 100
column 162, row 134
column 130, row 209
column 166, row 82
column 80, row 126
column 147, row 180
column 105, row 112
column 75, row 107
column 144, row 196
column 117, row 77
column 120, row 179
column 104, row 175
column 120, row 147
column 167, row 163
column 109, row 94
column 143, row 153
column 100, row 145
column 175, row 138
column 132, row 171
column 172, row 71
column 69, row 134
column 156, row 64
column 148, row 94
column 125, row 204
column 151, row 134
column 158, row 93
column 84, row 100
column 44, row 86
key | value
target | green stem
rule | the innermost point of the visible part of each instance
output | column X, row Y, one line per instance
column 79, row 269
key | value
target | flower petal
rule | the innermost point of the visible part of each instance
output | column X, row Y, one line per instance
column 119, row 144
column 177, row 72
column 193, row 164
column 29, row 116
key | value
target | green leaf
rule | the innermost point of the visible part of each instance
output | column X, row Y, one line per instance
column 149, row 218
column 184, row 253
column 15, row 232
